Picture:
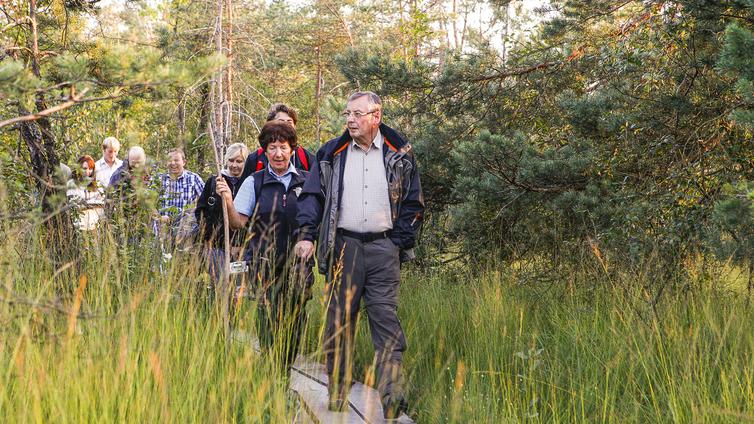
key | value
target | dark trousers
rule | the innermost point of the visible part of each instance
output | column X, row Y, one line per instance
column 281, row 314
column 368, row 270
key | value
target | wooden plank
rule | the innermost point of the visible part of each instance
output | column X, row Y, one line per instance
column 309, row 381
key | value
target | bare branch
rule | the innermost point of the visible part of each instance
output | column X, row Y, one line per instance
column 72, row 100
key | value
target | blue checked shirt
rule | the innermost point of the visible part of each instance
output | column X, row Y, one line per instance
column 176, row 194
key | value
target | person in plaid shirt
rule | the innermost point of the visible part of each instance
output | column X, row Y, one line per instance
column 179, row 188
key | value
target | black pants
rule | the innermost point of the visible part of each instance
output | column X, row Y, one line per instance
column 281, row 314
column 368, row 271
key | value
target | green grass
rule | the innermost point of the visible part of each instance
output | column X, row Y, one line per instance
column 148, row 348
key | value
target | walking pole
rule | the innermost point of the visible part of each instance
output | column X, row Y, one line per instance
column 225, row 274
column 219, row 133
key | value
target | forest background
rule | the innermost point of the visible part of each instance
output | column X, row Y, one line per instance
column 587, row 168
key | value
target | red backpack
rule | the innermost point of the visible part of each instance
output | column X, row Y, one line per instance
column 300, row 153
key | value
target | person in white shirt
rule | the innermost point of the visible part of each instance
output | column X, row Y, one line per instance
column 109, row 161
column 85, row 195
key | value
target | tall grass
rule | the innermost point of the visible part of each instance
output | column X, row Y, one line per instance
column 146, row 346
column 487, row 350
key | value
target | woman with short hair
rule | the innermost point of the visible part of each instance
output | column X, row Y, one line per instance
column 270, row 197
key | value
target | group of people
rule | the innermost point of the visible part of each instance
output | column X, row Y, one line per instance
column 359, row 199
column 110, row 184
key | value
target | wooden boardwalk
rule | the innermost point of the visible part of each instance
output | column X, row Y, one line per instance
column 309, row 382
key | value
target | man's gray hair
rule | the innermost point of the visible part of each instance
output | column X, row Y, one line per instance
column 375, row 103
column 235, row 149
column 136, row 156
column 111, row 142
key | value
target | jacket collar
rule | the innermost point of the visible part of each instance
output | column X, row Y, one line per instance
column 391, row 138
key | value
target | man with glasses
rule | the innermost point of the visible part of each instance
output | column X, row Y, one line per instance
column 363, row 204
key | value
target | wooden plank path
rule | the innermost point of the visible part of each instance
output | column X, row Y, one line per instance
column 309, row 382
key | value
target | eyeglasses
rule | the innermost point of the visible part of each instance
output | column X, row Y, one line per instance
column 356, row 113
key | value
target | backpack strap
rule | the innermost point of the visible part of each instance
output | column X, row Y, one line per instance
column 302, row 158
column 258, row 180
column 260, row 164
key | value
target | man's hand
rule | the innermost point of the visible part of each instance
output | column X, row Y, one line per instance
column 304, row 249
column 221, row 188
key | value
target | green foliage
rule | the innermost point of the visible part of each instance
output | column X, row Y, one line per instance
column 17, row 82
column 737, row 57
column 516, row 195
column 381, row 72
column 734, row 217
column 69, row 67
column 608, row 127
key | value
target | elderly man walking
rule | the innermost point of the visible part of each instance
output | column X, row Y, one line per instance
column 109, row 163
column 363, row 203
column 128, row 200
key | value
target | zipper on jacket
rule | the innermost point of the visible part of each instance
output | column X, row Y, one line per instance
column 284, row 197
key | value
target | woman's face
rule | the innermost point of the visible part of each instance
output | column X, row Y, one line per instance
column 279, row 155
column 87, row 171
column 235, row 165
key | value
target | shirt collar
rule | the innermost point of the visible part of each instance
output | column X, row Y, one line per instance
column 291, row 170
column 377, row 142
column 183, row 174
column 116, row 162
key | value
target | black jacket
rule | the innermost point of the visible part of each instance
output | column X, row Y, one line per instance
column 209, row 213
column 319, row 203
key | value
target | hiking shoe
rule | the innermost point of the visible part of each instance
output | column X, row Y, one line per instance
column 393, row 407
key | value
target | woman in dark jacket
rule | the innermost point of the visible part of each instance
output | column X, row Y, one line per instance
column 270, row 197
column 209, row 212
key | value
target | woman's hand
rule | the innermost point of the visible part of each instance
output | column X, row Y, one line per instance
column 221, row 188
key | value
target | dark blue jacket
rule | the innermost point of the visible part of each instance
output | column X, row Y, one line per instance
column 273, row 223
column 319, row 203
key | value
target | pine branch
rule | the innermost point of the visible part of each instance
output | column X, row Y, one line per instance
column 72, row 100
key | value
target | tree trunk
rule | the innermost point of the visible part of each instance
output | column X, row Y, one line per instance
column 182, row 119
column 38, row 135
column 204, row 125
column 228, row 76
column 318, row 96
column 218, row 128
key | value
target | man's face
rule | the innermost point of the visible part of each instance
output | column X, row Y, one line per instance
column 110, row 154
column 135, row 161
column 176, row 164
column 362, row 128
column 284, row 117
